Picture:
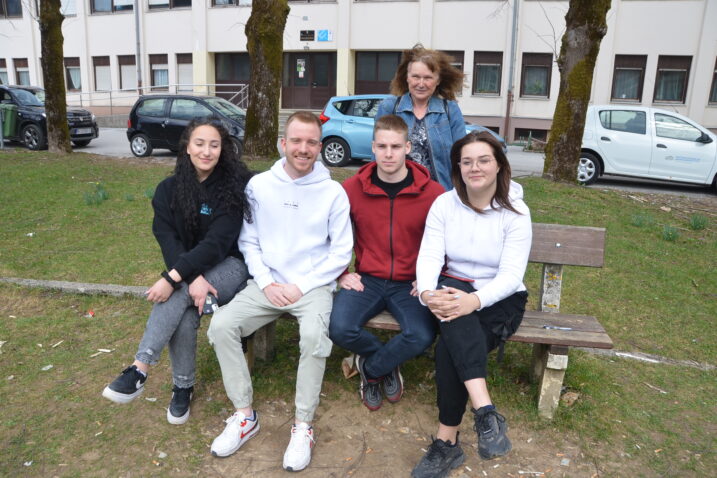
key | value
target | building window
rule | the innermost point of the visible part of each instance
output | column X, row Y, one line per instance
column 535, row 77
column 22, row 73
column 219, row 3
column 109, row 6
column 185, row 73
column 73, row 80
column 103, row 77
column 713, row 90
column 628, row 77
column 160, row 72
column 3, row 72
column 164, row 4
column 525, row 134
column 487, row 72
column 68, row 8
column 128, row 72
column 671, row 79
column 10, row 8
column 375, row 70
column 456, row 60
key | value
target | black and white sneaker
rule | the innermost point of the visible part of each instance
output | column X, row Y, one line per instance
column 125, row 388
column 178, row 411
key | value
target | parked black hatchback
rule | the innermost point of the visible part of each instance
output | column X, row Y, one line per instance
column 157, row 121
column 25, row 119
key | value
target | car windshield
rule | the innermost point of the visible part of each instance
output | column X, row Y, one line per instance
column 30, row 98
column 229, row 109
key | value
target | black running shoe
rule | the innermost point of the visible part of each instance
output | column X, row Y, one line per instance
column 439, row 460
column 178, row 411
column 491, row 428
column 125, row 388
column 370, row 388
column 393, row 385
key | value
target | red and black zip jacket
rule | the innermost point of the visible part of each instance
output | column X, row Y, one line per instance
column 388, row 232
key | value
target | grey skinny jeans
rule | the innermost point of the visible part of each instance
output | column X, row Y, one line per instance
column 175, row 322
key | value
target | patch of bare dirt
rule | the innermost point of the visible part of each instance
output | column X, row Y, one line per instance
column 354, row 442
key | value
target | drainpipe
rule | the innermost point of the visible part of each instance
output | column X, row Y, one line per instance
column 138, row 53
column 513, row 41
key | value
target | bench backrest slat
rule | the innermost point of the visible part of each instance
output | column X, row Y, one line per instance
column 568, row 245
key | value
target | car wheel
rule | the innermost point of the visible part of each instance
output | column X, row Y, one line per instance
column 34, row 137
column 238, row 147
column 81, row 144
column 140, row 145
column 588, row 168
column 336, row 152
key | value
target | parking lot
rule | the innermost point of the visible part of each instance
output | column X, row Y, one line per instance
column 113, row 142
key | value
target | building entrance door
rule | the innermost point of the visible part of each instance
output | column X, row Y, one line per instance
column 309, row 80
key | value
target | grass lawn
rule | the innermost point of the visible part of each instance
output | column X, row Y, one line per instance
column 87, row 218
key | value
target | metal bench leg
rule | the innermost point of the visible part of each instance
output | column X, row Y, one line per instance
column 263, row 342
column 554, row 364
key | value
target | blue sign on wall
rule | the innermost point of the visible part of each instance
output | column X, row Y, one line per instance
column 325, row 35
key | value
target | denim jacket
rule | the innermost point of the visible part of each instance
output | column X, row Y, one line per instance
column 442, row 133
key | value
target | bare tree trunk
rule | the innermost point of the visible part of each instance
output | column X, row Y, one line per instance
column 51, row 40
column 585, row 26
column 265, row 37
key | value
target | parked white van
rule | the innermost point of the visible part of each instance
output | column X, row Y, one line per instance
column 647, row 143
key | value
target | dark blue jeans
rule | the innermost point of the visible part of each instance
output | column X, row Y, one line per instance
column 352, row 309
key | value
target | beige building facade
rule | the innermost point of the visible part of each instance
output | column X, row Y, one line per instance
column 655, row 53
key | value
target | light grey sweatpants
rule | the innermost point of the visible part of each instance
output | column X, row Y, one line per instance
column 251, row 310
column 175, row 321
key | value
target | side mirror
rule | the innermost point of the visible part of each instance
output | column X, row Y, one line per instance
column 705, row 138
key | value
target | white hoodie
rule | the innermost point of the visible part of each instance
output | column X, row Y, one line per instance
column 300, row 231
column 491, row 249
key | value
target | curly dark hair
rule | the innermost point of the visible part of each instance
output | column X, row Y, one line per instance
column 450, row 78
column 233, row 173
column 502, row 181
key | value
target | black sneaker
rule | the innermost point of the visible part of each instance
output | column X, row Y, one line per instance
column 439, row 460
column 370, row 388
column 178, row 411
column 491, row 428
column 126, row 387
column 393, row 385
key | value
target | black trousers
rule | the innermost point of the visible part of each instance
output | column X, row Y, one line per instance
column 463, row 346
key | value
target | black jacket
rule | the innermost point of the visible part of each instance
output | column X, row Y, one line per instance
column 217, row 238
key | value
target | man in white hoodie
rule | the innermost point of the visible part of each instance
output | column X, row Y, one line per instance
column 296, row 243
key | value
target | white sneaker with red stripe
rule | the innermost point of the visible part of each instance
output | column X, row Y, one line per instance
column 238, row 431
column 298, row 453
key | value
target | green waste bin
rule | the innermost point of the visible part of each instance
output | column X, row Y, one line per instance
column 9, row 121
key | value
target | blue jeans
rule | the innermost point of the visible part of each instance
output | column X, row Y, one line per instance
column 352, row 309
column 175, row 322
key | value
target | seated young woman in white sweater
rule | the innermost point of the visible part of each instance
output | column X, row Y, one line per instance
column 470, row 271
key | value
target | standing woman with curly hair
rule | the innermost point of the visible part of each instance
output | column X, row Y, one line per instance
column 424, row 91
column 198, row 213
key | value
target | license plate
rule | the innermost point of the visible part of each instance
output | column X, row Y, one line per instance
column 83, row 131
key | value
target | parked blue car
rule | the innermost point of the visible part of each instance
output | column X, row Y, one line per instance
column 347, row 128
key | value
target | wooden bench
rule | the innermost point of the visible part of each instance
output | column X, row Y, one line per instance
column 550, row 332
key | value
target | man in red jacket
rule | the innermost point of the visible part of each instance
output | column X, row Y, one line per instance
column 390, row 199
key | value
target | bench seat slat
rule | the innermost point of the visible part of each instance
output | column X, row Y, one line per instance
column 587, row 331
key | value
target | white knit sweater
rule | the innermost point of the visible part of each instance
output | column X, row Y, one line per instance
column 491, row 249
